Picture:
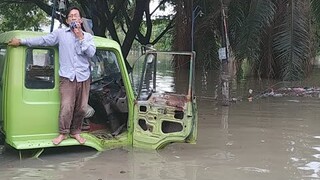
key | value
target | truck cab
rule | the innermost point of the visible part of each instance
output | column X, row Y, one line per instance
column 136, row 106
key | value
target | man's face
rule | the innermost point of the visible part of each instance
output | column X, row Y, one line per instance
column 74, row 16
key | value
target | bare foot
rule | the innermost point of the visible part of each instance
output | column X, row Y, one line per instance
column 59, row 139
column 80, row 139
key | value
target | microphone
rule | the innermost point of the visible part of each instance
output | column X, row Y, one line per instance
column 73, row 25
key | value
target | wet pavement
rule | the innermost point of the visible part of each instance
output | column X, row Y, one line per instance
column 268, row 138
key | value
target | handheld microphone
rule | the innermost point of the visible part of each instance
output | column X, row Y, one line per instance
column 73, row 25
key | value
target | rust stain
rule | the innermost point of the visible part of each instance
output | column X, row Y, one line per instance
column 175, row 101
column 171, row 100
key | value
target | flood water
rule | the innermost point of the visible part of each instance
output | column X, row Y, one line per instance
column 268, row 138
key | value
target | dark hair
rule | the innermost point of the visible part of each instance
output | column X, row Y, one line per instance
column 73, row 8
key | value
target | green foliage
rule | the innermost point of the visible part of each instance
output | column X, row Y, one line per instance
column 316, row 24
column 165, row 43
column 207, row 34
column 22, row 16
column 291, row 40
column 261, row 13
column 316, row 10
column 278, row 38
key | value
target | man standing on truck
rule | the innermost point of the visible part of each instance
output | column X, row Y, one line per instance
column 76, row 47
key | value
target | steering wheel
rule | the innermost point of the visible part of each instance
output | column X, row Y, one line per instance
column 99, row 84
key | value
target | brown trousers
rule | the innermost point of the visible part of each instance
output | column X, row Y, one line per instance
column 74, row 100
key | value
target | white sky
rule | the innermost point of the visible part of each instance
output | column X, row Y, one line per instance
column 155, row 3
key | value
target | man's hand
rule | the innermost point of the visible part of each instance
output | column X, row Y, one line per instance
column 78, row 31
column 14, row 42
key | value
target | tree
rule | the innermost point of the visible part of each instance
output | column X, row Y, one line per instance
column 21, row 16
column 108, row 16
column 128, row 16
column 275, row 37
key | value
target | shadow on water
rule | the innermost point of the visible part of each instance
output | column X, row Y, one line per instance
column 268, row 138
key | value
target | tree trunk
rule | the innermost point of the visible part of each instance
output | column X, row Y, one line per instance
column 225, row 73
column 134, row 26
column 182, row 37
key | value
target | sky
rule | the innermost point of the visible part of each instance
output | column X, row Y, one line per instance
column 155, row 3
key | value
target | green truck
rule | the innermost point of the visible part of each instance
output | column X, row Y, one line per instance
column 137, row 105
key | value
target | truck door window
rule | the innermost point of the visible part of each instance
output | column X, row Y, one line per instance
column 39, row 69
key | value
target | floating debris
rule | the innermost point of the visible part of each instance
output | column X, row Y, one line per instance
column 291, row 91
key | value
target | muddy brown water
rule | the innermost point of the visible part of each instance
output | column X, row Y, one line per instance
column 268, row 138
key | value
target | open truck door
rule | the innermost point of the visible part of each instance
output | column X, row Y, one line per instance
column 165, row 104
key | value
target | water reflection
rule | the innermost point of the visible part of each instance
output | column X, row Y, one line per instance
column 165, row 83
column 152, row 165
column 254, row 169
column 314, row 167
column 311, row 168
column 47, row 166
column 293, row 118
column 224, row 117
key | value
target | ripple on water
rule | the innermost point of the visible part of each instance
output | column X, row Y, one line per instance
column 312, row 166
